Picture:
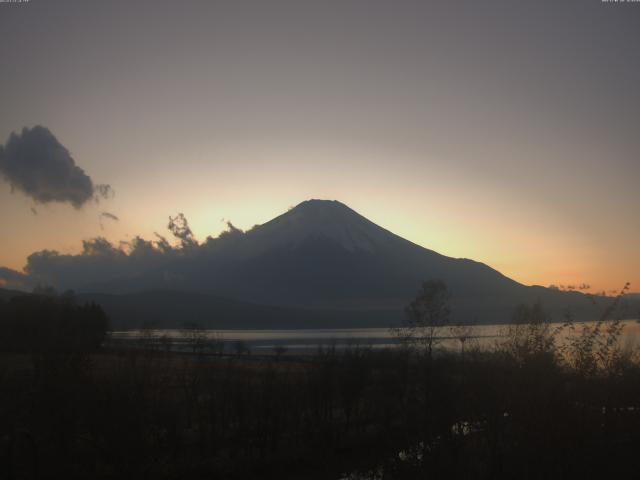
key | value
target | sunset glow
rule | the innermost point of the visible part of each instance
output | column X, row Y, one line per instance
column 464, row 154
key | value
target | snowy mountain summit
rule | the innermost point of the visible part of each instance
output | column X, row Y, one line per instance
column 325, row 220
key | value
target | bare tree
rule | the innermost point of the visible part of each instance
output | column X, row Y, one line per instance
column 462, row 333
column 149, row 339
column 279, row 350
column 592, row 348
column 425, row 316
column 215, row 343
column 529, row 334
column 240, row 347
column 195, row 337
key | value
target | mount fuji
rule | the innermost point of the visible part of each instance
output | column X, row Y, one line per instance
column 318, row 264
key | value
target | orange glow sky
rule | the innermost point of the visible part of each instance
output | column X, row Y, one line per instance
column 499, row 132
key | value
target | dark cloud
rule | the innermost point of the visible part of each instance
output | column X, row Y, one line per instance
column 97, row 261
column 150, row 263
column 179, row 227
column 232, row 230
column 37, row 164
column 13, row 279
column 136, row 264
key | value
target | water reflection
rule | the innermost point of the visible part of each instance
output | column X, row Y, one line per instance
column 302, row 341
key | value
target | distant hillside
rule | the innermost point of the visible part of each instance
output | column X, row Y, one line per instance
column 171, row 309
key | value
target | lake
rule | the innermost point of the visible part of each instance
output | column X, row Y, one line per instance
column 306, row 341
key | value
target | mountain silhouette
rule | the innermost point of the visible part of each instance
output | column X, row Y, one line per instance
column 323, row 257
column 323, row 254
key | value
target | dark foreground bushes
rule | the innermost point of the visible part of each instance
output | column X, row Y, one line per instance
column 353, row 414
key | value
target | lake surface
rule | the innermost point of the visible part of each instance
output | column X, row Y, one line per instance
column 302, row 341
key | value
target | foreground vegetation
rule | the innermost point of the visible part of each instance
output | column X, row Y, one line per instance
column 529, row 408
column 133, row 414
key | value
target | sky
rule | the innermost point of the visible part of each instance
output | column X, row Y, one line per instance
column 506, row 132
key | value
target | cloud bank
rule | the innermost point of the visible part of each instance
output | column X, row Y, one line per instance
column 14, row 280
column 138, row 263
column 37, row 164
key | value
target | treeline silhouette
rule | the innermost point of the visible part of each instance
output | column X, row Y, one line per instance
column 528, row 408
column 48, row 322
